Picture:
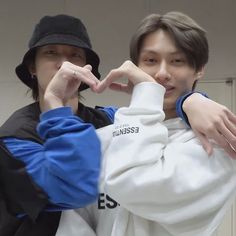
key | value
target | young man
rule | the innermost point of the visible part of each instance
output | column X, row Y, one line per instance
column 157, row 178
column 50, row 161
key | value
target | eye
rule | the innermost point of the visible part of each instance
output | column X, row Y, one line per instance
column 178, row 61
column 50, row 52
column 149, row 60
column 77, row 55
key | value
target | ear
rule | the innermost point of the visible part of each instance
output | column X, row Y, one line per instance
column 200, row 73
column 32, row 69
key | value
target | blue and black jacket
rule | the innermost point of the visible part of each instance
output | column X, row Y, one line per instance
column 48, row 162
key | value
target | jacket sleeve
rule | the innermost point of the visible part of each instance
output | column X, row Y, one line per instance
column 173, row 182
column 67, row 165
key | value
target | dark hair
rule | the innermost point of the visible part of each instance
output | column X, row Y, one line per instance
column 30, row 61
column 189, row 37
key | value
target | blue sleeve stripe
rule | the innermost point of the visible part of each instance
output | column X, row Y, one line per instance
column 110, row 112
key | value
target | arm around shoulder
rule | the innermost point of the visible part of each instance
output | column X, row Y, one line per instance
column 168, row 180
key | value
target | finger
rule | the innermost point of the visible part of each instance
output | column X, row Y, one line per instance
column 94, row 88
column 223, row 143
column 90, row 81
column 89, row 67
column 205, row 142
column 228, row 130
column 231, row 123
column 76, row 68
column 231, row 116
column 231, row 151
column 219, row 139
column 223, row 132
column 120, row 87
column 72, row 90
column 86, row 76
column 100, row 87
column 110, row 78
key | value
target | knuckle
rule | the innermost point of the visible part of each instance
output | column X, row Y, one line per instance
column 210, row 128
column 113, row 72
column 64, row 75
column 127, row 62
column 63, row 72
column 217, row 121
column 65, row 64
column 225, row 109
column 128, row 66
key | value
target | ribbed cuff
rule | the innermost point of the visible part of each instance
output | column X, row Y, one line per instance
column 149, row 94
column 58, row 112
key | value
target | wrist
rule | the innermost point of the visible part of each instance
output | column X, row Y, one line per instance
column 189, row 100
column 185, row 102
column 50, row 102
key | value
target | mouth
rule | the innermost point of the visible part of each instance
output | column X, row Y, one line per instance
column 169, row 90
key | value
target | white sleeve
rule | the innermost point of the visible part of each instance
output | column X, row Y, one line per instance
column 175, row 184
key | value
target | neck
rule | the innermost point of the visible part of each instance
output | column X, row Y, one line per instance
column 170, row 114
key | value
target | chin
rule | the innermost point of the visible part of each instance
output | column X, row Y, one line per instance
column 169, row 102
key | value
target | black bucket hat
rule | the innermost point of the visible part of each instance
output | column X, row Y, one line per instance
column 59, row 29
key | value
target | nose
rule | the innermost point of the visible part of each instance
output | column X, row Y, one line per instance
column 163, row 74
column 61, row 60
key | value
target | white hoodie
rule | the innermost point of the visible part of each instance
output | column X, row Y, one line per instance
column 159, row 174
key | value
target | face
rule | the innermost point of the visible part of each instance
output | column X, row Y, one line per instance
column 160, row 58
column 49, row 59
